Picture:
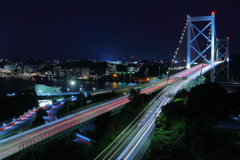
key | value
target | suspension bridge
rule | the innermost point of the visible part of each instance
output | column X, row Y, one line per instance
column 215, row 53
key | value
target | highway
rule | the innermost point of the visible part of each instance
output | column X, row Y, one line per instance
column 129, row 142
column 19, row 124
column 27, row 118
column 25, row 139
column 52, row 110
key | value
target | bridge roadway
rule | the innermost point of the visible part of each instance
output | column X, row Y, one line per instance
column 131, row 140
column 12, row 144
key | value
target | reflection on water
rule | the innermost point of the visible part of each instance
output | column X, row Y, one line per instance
column 114, row 85
column 10, row 84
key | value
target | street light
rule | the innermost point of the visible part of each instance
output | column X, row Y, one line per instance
column 81, row 96
column 147, row 72
column 72, row 83
column 80, row 87
column 159, row 70
column 68, row 89
column 20, row 123
column 96, row 81
column 167, row 77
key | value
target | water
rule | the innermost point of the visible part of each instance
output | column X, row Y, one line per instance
column 11, row 84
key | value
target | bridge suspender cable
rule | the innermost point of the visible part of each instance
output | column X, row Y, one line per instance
column 177, row 49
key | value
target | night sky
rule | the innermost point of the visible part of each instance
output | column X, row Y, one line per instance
column 77, row 29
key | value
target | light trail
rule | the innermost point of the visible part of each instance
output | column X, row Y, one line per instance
column 126, row 146
column 11, row 145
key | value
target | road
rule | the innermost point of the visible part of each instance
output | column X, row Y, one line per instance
column 129, row 142
column 52, row 111
column 15, row 143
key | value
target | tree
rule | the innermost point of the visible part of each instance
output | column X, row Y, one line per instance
column 184, row 127
column 121, row 68
column 133, row 93
column 27, row 89
column 208, row 100
column 40, row 114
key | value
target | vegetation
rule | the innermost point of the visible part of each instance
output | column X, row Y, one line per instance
column 24, row 100
column 121, row 68
column 235, row 67
column 184, row 127
column 39, row 117
column 133, row 93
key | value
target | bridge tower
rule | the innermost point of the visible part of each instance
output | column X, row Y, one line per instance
column 192, row 37
column 223, row 55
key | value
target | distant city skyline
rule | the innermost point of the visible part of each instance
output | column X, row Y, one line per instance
column 106, row 29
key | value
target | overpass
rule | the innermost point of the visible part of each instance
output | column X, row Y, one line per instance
column 26, row 119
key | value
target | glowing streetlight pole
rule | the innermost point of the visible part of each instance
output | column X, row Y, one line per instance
column 20, row 123
column 72, row 83
column 81, row 96
column 96, row 81
column 159, row 70
column 147, row 72
column 167, row 77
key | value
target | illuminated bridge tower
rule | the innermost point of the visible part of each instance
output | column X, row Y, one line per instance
column 223, row 55
column 192, row 44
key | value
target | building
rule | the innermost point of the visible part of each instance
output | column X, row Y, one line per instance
column 41, row 88
column 132, row 69
column 57, row 71
column 85, row 73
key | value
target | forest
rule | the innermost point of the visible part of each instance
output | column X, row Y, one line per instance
column 184, row 129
